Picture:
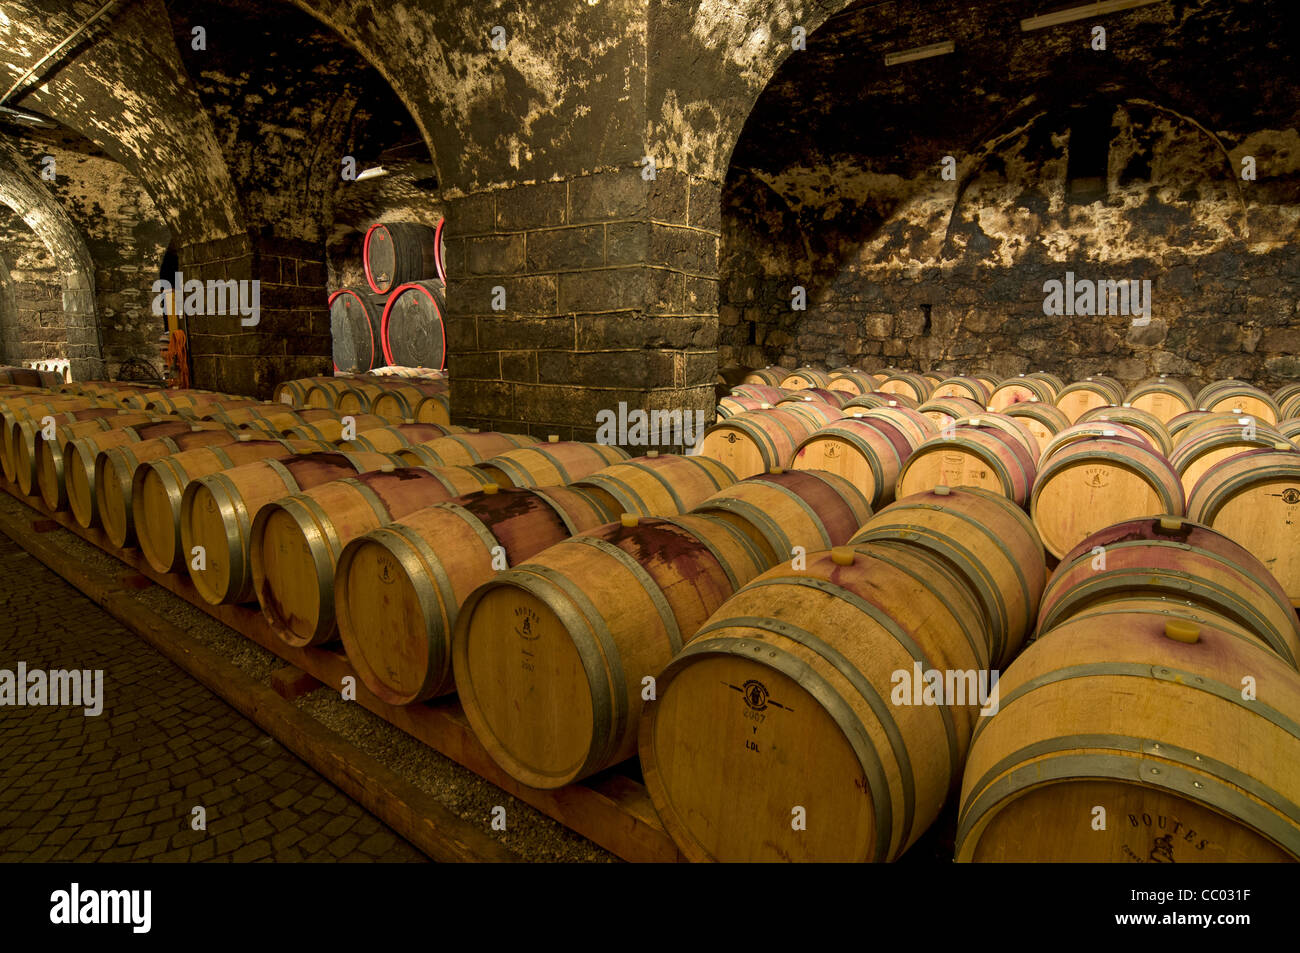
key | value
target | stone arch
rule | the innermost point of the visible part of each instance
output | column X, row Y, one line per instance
column 21, row 190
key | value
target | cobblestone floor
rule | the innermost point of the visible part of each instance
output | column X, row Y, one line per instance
column 122, row 786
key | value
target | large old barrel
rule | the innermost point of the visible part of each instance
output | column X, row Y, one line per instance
column 398, row 589
column 394, row 253
column 550, row 656
column 355, row 316
column 412, row 326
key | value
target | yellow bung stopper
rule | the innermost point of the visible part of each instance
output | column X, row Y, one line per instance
column 1283, row 446
column 1171, row 524
column 387, row 468
column 776, row 470
column 243, row 436
column 942, row 490
column 893, row 403
column 1182, row 631
column 842, row 556
column 652, row 453
column 553, row 438
column 629, row 519
column 490, row 488
column 765, row 406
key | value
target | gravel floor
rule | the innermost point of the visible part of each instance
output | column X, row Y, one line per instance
column 529, row 833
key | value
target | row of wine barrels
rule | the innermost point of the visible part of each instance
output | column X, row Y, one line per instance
column 878, row 399
column 360, row 395
column 399, row 588
column 293, row 393
column 1253, row 498
column 100, row 474
column 394, row 253
column 1144, row 714
column 550, row 656
column 19, row 457
column 396, row 437
column 158, row 487
column 217, row 510
column 331, row 427
column 355, row 318
column 46, row 455
column 1173, row 558
column 1092, row 483
column 296, row 540
column 1194, row 457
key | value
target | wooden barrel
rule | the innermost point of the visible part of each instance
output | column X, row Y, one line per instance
column 296, row 541
column 102, row 493
column 1289, row 409
column 218, row 510
column 1194, row 458
column 1174, row 558
column 462, row 449
column 394, row 438
column 868, row 452
column 193, row 403
column 761, row 391
column 398, row 589
column 1095, row 483
column 1044, row 421
column 158, row 486
column 771, row 376
column 756, row 442
column 806, row 377
column 657, row 484
column 406, row 400
column 1016, row 427
column 1164, row 397
column 330, row 429
column 1081, row 396
column 912, row 386
column 29, row 377
column 51, row 477
column 811, row 509
column 267, row 417
column 982, row 456
column 1144, row 715
column 1015, row 390
column 294, row 393
column 325, row 391
column 413, row 332
column 852, row 382
column 1238, row 397
column 354, row 328
column 991, row 381
column 16, row 409
column 555, row 463
column 1194, row 421
column 1142, row 421
column 988, row 540
column 1290, row 429
column 972, row 388
column 393, row 253
column 943, row 411
column 763, row 720
column 1254, row 499
column 1094, row 430
column 730, row 406
column 586, row 620
column 1286, row 393
column 26, row 434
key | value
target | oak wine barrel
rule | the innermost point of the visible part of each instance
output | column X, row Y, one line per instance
column 394, row 253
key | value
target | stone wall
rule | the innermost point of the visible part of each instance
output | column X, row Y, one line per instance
column 31, row 296
column 610, row 297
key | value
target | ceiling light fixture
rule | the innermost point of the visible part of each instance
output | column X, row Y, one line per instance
column 372, row 173
column 919, row 53
column 1081, row 13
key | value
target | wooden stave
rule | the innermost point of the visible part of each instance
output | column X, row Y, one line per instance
column 657, row 484
column 470, row 449
column 550, row 464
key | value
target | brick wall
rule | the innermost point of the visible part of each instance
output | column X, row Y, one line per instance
column 611, row 296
